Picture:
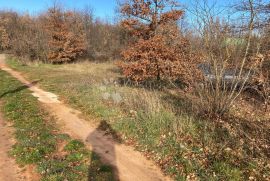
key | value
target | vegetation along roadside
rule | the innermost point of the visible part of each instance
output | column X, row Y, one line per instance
column 56, row 156
column 162, row 124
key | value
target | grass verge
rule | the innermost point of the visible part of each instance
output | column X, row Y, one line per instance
column 161, row 124
column 56, row 156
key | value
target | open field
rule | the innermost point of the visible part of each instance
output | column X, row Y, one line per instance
column 162, row 123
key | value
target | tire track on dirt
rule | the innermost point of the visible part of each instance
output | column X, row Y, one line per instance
column 9, row 170
column 8, row 167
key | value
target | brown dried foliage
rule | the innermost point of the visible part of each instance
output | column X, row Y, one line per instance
column 65, row 44
column 59, row 35
column 154, row 58
column 4, row 36
column 158, row 50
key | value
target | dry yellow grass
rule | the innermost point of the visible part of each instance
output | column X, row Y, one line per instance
column 163, row 124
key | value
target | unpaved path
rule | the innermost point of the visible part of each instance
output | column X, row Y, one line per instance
column 9, row 170
column 129, row 165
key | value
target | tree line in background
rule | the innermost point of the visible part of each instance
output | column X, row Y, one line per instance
column 60, row 36
column 153, row 46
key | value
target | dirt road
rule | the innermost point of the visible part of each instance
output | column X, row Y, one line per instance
column 129, row 165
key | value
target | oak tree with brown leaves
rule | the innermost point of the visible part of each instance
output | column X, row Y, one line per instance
column 158, row 51
column 65, row 45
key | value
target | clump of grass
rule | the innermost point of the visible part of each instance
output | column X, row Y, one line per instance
column 38, row 141
column 176, row 142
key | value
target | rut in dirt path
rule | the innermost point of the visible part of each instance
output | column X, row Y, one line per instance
column 9, row 170
column 8, row 167
column 129, row 165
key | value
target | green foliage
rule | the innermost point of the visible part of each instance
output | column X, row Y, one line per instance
column 227, row 172
column 74, row 145
column 103, row 171
column 70, row 165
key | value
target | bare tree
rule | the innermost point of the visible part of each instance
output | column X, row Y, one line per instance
column 227, row 68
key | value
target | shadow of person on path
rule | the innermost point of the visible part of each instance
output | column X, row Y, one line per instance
column 103, row 141
column 19, row 88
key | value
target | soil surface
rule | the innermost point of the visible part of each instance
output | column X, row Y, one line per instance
column 9, row 170
column 128, row 163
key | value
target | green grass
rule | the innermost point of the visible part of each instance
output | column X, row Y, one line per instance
column 159, row 123
column 38, row 141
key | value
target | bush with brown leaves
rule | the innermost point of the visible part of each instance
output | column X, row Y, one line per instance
column 155, row 59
